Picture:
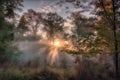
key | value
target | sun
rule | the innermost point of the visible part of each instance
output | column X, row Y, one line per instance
column 56, row 43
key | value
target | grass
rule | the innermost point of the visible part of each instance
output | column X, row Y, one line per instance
column 83, row 71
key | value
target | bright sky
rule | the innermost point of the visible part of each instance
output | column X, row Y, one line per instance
column 50, row 6
column 46, row 6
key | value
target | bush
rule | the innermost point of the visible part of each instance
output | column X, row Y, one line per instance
column 85, row 70
column 28, row 74
column 91, row 71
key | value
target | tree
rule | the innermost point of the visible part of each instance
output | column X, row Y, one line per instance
column 53, row 25
column 7, row 10
column 30, row 22
column 109, row 9
column 22, row 26
column 85, row 38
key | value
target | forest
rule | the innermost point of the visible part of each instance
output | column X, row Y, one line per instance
column 60, row 40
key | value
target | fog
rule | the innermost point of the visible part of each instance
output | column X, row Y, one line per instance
column 39, row 50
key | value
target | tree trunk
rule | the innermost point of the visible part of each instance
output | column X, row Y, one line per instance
column 115, row 42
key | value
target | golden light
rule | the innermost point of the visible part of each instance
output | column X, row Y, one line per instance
column 56, row 46
column 54, row 51
column 56, row 43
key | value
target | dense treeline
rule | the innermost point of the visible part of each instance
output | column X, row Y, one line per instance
column 90, row 36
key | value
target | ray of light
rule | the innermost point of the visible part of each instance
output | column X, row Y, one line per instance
column 54, row 50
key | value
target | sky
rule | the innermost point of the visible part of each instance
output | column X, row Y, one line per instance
column 45, row 6
column 64, row 9
column 51, row 6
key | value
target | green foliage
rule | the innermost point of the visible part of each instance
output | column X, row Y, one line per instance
column 85, row 37
column 7, row 9
column 6, row 37
column 102, row 24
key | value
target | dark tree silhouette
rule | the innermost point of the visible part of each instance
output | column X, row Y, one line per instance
column 110, row 14
column 53, row 25
column 7, row 10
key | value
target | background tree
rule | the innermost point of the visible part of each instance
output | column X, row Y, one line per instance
column 53, row 25
column 30, row 24
column 22, row 27
column 85, row 38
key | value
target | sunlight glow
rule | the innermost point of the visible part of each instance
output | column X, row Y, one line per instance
column 53, row 56
column 55, row 47
column 56, row 43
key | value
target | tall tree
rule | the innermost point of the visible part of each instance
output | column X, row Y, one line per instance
column 22, row 27
column 7, row 10
column 85, row 38
column 53, row 25
column 109, row 9
column 30, row 22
